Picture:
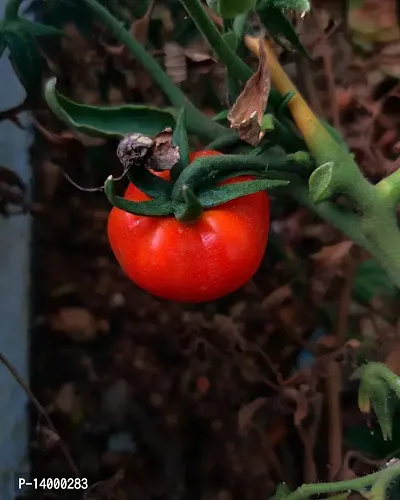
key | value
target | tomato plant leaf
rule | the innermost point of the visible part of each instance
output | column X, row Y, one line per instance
column 278, row 26
column 111, row 121
column 39, row 29
column 180, row 139
column 26, row 60
column 215, row 196
column 320, row 183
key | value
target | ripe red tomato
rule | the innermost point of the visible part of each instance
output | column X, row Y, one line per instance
column 192, row 262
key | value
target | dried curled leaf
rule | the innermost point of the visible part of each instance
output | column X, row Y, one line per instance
column 165, row 154
column 247, row 112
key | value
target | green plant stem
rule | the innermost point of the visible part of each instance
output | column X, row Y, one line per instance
column 389, row 188
column 12, row 9
column 308, row 490
column 197, row 123
column 233, row 63
column 342, row 219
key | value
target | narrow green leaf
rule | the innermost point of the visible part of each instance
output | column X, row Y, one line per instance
column 39, row 29
column 180, row 139
column 278, row 25
column 26, row 60
column 111, row 121
column 215, row 196
column 320, row 183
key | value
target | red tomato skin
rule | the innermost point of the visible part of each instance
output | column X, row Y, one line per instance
column 192, row 262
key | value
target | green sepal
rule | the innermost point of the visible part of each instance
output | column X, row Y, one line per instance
column 382, row 409
column 107, row 121
column 191, row 208
column 150, row 184
column 205, row 170
column 278, row 26
column 25, row 58
column 222, row 194
column 180, row 139
column 158, row 207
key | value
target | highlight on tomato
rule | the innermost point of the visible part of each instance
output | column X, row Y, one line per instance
column 173, row 251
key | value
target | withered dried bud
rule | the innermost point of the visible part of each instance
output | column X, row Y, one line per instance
column 134, row 148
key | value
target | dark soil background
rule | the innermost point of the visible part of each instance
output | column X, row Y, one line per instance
column 223, row 400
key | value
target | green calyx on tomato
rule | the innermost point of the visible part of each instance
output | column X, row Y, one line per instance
column 186, row 192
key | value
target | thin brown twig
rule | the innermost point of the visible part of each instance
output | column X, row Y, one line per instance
column 42, row 411
column 334, row 379
column 333, row 389
column 308, row 438
column 329, row 74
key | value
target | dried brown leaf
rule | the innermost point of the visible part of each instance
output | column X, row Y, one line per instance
column 76, row 322
column 175, row 62
column 333, row 255
column 247, row 112
column 247, row 412
column 140, row 27
column 165, row 154
column 277, row 297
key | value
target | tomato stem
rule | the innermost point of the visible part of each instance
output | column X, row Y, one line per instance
column 157, row 207
column 192, row 209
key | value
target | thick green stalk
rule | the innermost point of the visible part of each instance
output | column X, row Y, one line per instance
column 197, row 122
column 340, row 218
column 308, row 490
column 389, row 188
